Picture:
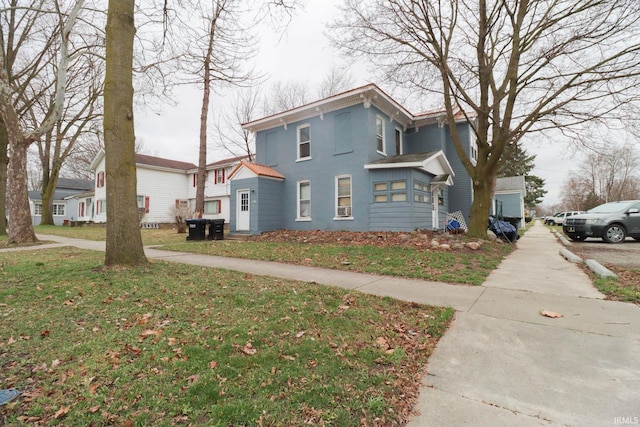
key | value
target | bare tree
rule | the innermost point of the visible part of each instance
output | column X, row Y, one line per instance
column 216, row 52
column 610, row 172
column 82, row 108
column 335, row 82
column 510, row 68
column 229, row 134
column 284, row 96
column 14, row 85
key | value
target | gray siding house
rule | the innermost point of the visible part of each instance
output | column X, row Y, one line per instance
column 356, row 161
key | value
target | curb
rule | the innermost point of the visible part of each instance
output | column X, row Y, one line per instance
column 593, row 265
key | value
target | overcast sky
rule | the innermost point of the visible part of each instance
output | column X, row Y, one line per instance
column 302, row 53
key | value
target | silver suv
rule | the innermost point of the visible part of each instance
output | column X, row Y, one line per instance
column 612, row 222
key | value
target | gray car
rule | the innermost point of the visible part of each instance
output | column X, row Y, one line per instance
column 612, row 222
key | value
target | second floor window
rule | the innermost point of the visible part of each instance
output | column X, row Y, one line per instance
column 100, row 179
column 304, row 142
column 380, row 135
column 219, row 176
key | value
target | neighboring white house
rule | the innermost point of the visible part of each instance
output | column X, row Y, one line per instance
column 165, row 185
column 508, row 200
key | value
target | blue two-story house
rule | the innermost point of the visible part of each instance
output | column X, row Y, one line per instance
column 356, row 161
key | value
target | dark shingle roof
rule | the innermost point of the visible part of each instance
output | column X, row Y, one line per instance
column 144, row 159
column 75, row 184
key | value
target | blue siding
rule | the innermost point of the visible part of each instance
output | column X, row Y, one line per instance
column 265, row 204
column 461, row 195
column 511, row 205
column 342, row 143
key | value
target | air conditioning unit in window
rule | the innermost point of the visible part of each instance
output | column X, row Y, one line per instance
column 344, row 211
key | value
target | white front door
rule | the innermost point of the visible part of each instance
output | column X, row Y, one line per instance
column 243, row 212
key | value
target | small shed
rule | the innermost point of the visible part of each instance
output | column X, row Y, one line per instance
column 508, row 200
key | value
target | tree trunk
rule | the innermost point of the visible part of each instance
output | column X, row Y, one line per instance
column 20, row 224
column 124, row 241
column 48, row 193
column 204, row 114
column 482, row 195
column 4, row 162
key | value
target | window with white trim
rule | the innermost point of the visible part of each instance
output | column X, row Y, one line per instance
column 304, row 142
column 101, row 206
column 380, row 135
column 421, row 192
column 58, row 209
column 304, row 200
column 100, row 179
column 473, row 148
column 37, row 208
column 399, row 191
column 343, row 196
column 219, row 176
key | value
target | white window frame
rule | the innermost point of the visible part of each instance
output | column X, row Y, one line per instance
column 299, row 216
column 300, row 143
column 37, row 209
column 473, row 148
column 380, row 136
column 338, row 208
column 57, row 207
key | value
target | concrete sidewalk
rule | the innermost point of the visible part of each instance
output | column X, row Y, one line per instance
column 502, row 363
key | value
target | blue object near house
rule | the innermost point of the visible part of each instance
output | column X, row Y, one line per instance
column 356, row 161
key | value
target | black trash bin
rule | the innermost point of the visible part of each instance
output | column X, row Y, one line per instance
column 197, row 229
column 216, row 229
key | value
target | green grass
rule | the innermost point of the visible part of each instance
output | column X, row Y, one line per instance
column 452, row 266
column 619, row 290
column 172, row 344
column 150, row 236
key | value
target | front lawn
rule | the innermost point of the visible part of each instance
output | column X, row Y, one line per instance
column 173, row 344
column 150, row 236
column 464, row 265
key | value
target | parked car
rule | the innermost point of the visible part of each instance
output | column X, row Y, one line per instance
column 560, row 218
column 548, row 220
column 612, row 222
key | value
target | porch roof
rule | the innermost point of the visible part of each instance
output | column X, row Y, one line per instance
column 433, row 162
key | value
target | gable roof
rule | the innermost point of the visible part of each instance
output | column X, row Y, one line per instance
column 75, row 184
column 433, row 162
column 229, row 162
column 258, row 170
column 143, row 159
column 368, row 95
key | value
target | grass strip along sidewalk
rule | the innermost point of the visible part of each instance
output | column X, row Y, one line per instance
column 173, row 344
